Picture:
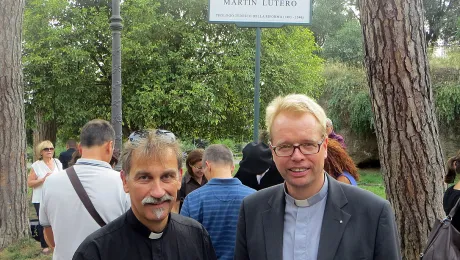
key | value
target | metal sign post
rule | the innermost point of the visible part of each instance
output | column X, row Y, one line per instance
column 257, row 87
column 116, row 26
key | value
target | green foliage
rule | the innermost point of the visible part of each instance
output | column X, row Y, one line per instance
column 448, row 104
column 445, row 75
column 347, row 102
column 442, row 21
column 179, row 72
column 63, row 55
column 346, row 45
column 196, row 78
column 290, row 63
column 227, row 142
column 328, row 16
column 361, row 117
column 187, row 146
column 346, row 98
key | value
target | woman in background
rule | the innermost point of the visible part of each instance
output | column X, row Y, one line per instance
column 452, row 194
column 339, row 164
column 40, row 170
column 194, row 176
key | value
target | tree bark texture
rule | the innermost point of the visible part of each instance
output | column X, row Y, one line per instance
column 13, row 191
column 44, row 130
column 405, row 121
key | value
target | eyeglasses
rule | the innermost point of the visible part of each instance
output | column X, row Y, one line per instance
column 48, row 149
column 197, row 168
column 286, row 150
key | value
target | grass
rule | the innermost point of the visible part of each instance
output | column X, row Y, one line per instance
column 25, row 249
column 372, row 180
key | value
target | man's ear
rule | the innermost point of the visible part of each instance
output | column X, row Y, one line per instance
column 180, row 179
column 109, row 147
column 325, row 147
column 124, row 179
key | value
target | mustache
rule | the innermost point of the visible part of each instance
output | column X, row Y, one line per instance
column 155, row 201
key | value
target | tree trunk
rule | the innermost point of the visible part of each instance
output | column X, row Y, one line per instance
column 44, row 130
column 405, row 121
column 13, row 190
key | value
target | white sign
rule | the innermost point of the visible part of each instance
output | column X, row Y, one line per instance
column 260, row 11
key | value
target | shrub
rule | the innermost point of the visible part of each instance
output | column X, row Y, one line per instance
column 227, row 142
column 346, row 98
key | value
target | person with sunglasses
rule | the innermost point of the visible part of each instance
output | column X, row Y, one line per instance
column 40, row 170
column 66, row 219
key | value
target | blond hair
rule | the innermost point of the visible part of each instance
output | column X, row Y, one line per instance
column 153, row 145
column 42, row 145
column 294, row 103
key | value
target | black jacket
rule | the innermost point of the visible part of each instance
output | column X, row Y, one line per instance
column 127, row 238
column 65, row 157
column 271, row 178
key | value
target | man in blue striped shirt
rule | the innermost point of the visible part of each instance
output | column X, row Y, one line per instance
column 216, row 205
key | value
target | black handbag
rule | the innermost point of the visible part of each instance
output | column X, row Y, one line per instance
column 34, row 229
column 444, row 240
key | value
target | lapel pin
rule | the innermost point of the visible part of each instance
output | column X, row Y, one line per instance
column 340, row 221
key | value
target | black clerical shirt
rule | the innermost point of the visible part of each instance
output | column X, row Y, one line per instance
column 127, row 238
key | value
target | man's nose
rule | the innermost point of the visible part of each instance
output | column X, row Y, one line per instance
column 157, row 190
column 297, row 155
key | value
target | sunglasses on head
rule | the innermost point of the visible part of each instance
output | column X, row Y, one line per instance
column 136, row 136
column 47, row 149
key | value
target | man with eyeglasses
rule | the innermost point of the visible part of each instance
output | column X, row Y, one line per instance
column 311, row 216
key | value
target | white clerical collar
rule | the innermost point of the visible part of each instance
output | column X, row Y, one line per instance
column 310, row 201
column 154, row 235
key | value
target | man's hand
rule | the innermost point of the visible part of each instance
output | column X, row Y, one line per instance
column 49, row 236
column 46, row 176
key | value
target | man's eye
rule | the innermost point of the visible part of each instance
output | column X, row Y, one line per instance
column 143, row 177
column 281, row 147
column 168, row 177
column 308, row 145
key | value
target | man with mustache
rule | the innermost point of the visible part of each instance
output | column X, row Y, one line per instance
column 311, row 216
column 152, row 169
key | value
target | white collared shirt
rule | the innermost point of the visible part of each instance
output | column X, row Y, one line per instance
column 302, row 225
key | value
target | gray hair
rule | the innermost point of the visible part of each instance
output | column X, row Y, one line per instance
column 96, row 132
column 152, row 145
column 328, row 122
column 218, row 153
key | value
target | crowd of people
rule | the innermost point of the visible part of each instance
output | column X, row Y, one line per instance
column 294, row 196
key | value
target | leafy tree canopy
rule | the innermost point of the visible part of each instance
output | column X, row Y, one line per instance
column 179, row 72
column 346, row 45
